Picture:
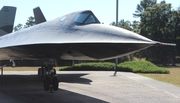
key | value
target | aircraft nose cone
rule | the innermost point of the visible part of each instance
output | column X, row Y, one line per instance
column 167, row 44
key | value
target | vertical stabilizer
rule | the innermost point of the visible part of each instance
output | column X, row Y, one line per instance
column 38, row 15
column 7, row 16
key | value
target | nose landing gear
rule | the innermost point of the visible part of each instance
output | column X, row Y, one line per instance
column 48, row 73
column 51, row 81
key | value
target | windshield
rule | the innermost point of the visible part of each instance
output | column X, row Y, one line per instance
column 85, row 18
column 81, row 17
column 90, row 20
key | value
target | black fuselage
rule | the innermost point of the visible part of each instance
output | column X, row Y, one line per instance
column 71, row 38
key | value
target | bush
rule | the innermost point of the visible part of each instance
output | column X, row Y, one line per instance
column 95, row 66
column 129, row 66
column 141, row 67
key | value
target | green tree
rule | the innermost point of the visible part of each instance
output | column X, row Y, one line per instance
column 18, row 27
column 135, row 25
column 123, row 24
column 179, row 9
column 140, row 11
column 158, row 22
column 113, row 23
column 175, row 27
column 175, row 23
column 30, row 22
column 142, row 6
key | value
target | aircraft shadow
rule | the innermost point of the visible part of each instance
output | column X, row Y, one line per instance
column 29, row 89
column 73, row 78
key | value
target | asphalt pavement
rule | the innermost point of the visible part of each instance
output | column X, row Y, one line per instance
column 87, row 87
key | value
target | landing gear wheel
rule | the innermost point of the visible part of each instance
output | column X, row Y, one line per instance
column 54, row 71
column 51, row 88
column 47, row 72
column 55, row 83
column 46, row 83
column 41, row 72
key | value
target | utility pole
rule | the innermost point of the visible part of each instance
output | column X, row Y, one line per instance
column 117, row 12
column 116, row 60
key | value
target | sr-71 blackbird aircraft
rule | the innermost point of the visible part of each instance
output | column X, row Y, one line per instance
column 75, row 36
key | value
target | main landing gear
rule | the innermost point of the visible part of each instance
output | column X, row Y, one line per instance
column 2, row 67
column 48, row 73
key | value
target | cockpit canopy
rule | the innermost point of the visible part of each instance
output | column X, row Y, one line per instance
column 79, row 18
column 86, row 17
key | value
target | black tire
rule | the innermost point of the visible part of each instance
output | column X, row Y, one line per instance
column 39, row 72
column 46, row 83
column 51, row 89
column 55, row 71
column 55, row 83
column 43, row 73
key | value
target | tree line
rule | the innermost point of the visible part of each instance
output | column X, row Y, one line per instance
column 29, row 22
column 159, row 22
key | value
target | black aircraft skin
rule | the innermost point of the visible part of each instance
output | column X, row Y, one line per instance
column 75, row 36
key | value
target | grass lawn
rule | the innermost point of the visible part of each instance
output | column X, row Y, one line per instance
column 173, row 77
column 24, row 68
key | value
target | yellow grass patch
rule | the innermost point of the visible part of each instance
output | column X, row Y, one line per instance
column 24, row 68
column 172, row 78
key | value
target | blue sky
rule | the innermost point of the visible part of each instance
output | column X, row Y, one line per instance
column 103, row 9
